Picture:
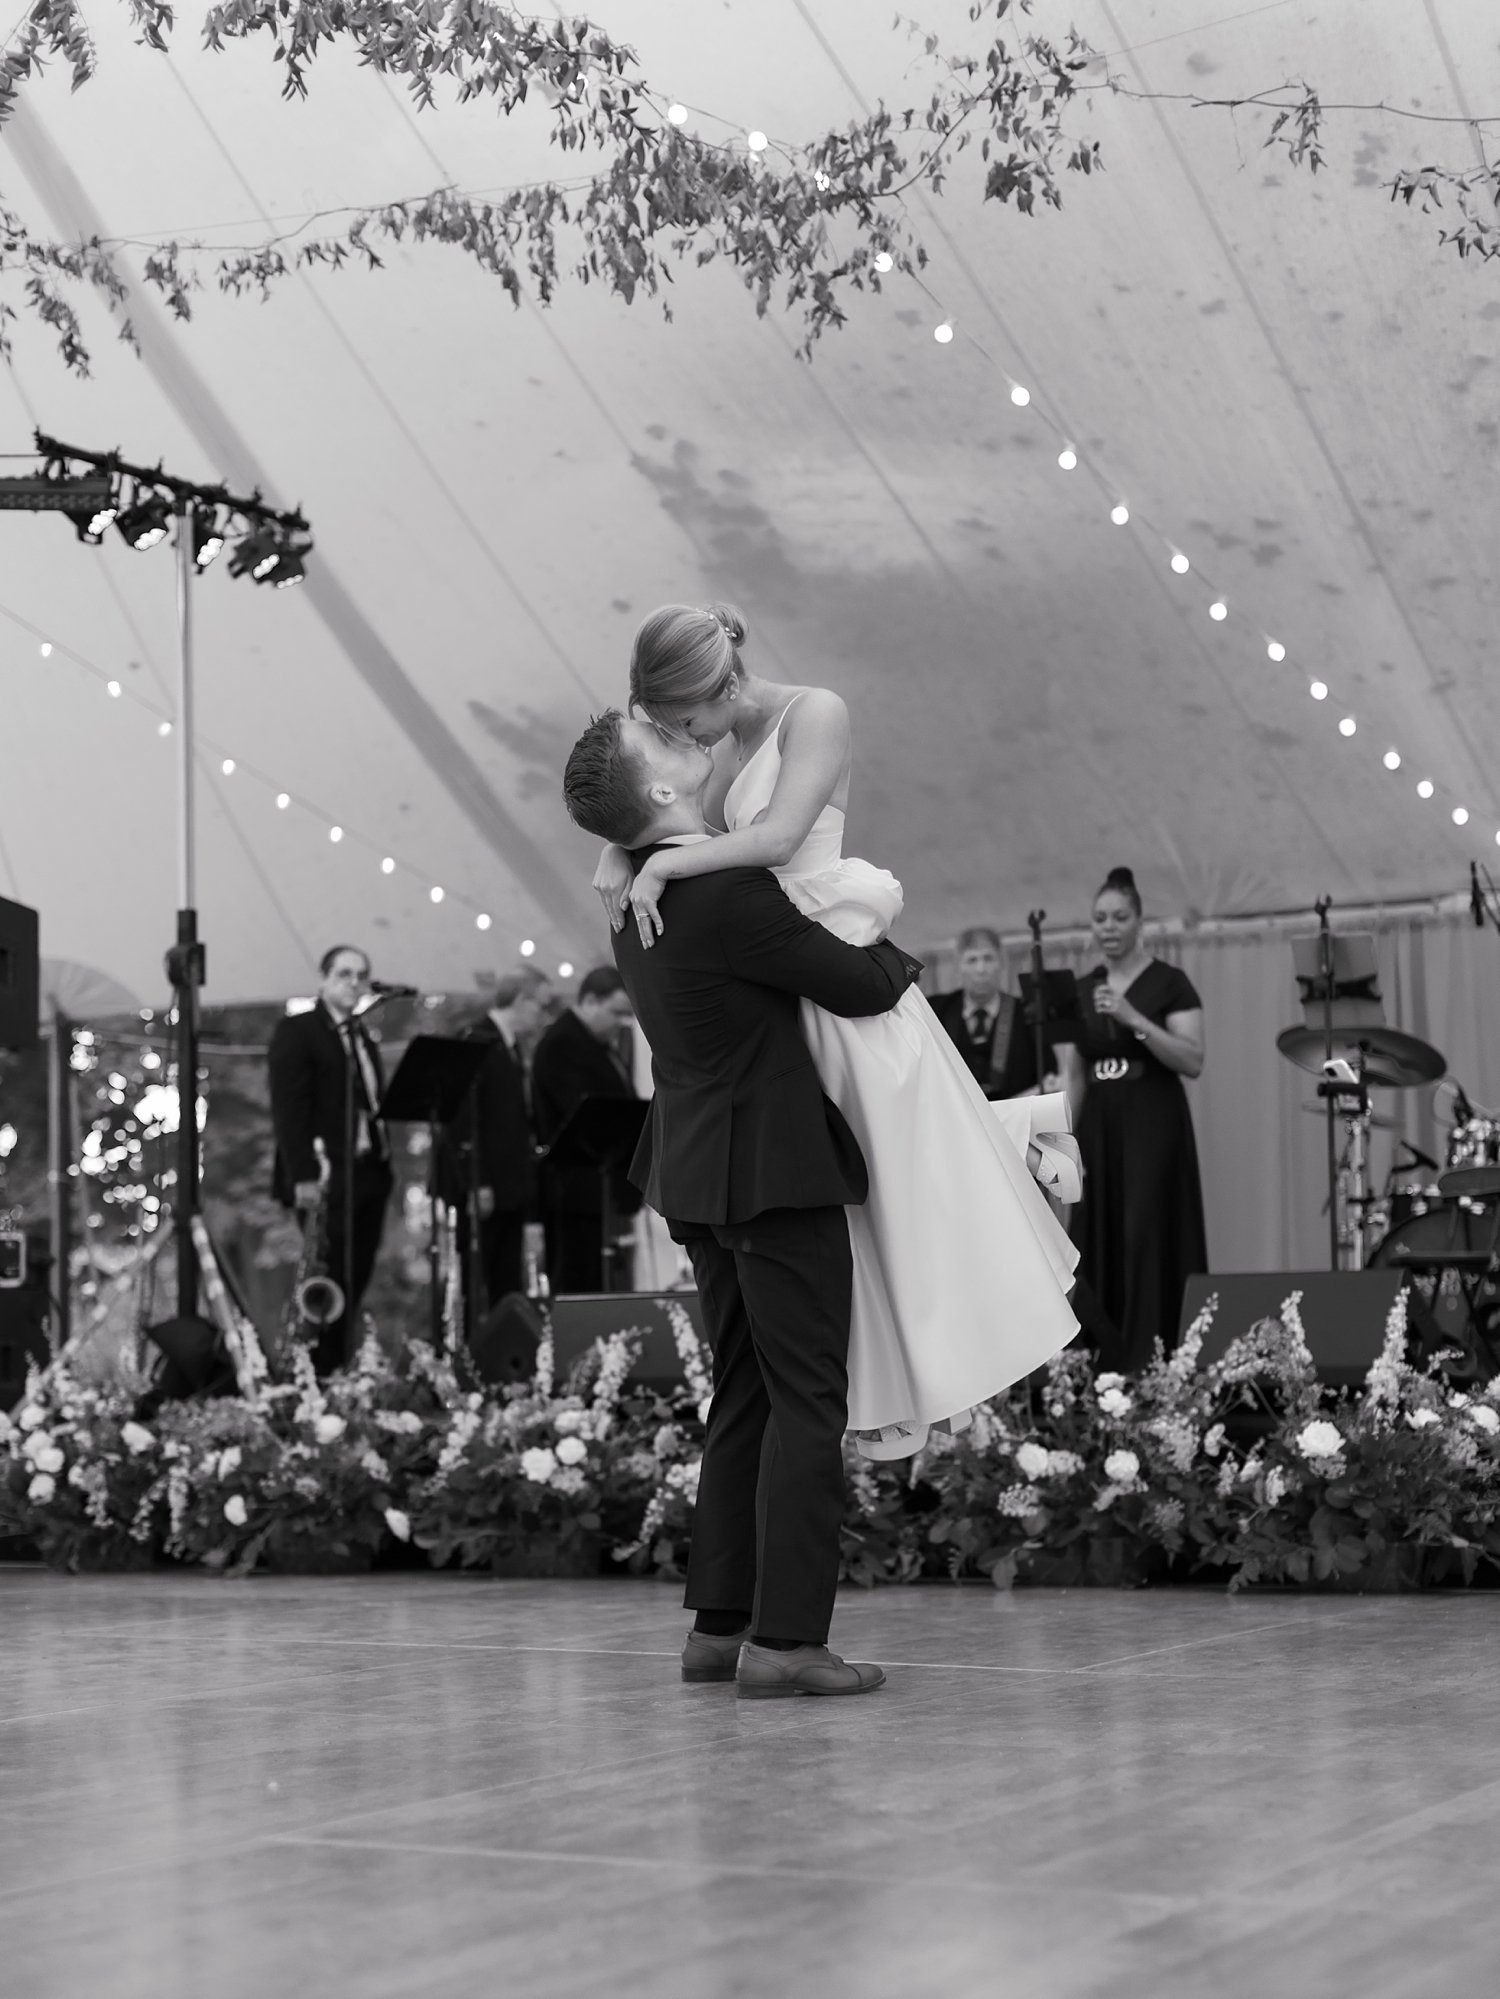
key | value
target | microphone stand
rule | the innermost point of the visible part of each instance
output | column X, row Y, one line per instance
column 1325, row 962
column 369, row 1005
column 1035, row 919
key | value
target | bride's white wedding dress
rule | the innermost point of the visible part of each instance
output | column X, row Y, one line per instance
column 960, row 1265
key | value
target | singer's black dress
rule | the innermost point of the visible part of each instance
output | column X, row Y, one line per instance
column 1139, row 1227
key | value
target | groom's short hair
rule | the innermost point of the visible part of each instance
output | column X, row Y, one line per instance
column 604, row 783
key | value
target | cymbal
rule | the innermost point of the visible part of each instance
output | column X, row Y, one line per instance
column 1377, row 1123
column 1392, row 1060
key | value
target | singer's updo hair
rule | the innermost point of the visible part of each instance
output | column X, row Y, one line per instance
column 1122, row 881
column 684, row 653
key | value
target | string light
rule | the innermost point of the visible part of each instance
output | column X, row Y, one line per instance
column 115, row 689
column 1319, row 690
column 677, row 114
column 1067, row 458
column 335, row 833
column 436, row 894
column 164, row 728
column 756, row 141
column 387, row 866
column 46, row 649
column 283, row 800
column 1392, row 760
column 227, row 766
column 1019, row 396
column 1460, row 815
column 1276, row 650
column 1347, row 725
column 943, row 334
column 1218, row 610
column 1119, row 514
column 884, row 261
column 1180, row 562
column 481, row 921
column 565, row 969
column 528, row 947
column 1425, row 788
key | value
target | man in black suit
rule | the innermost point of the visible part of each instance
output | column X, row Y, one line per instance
column 579, row 1056
column 985, row 1025
column 488, row 1159
column 753, row 1168
column 326, row 1082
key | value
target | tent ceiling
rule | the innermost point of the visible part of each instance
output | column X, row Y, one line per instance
column 1282, row 375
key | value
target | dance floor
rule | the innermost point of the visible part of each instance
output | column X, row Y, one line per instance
column 441, row 1787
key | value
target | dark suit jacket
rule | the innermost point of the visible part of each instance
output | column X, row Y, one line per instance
column 1005, row 1064
column 570, row 1064
column 739, row 1123
column 307, row 1096
column 494, row 1120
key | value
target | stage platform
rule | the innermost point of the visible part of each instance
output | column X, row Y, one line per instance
column 436, row 1787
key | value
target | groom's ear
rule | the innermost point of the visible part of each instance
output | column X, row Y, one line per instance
column 661, row 794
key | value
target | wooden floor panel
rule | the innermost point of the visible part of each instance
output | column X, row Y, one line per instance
column 433, row 1785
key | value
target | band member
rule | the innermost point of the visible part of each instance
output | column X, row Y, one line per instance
column 581, row 1055
column 326, row 1083
column 977, row 1015
column 489, row 1153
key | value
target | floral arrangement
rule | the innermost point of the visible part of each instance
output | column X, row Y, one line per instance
column 1245, row 1470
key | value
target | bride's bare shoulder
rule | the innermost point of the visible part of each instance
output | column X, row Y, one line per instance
column 817, row 708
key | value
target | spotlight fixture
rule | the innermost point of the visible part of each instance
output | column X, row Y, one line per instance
column 257, row 554
column 208, row 537
column 290, row 569
column 146, row 520
column 94, row 516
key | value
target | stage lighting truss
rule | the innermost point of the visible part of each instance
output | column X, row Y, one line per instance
column 93, row 487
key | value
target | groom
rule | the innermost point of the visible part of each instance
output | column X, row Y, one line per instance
column 752, row 1167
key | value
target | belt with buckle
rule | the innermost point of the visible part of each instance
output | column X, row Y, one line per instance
column 1117, row 1069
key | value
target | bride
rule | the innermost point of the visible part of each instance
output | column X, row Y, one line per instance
column 961, row 1268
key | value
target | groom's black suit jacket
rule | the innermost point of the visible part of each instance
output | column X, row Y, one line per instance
column 739, row 1123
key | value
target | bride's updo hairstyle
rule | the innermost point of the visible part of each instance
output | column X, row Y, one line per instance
column 1122, row 881
column 682, row 654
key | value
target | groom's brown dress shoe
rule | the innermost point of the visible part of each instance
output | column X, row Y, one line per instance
column 766, row 1675
column 705, row 1657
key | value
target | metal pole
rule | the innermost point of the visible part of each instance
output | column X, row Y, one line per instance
column 185, row 963
column 1325, row 960
column 59, row 1157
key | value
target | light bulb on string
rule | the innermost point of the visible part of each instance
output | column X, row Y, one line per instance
column 387, row 866
column 283, row 800
column 1218, row 610
column 528, row 947
column 335, row 833
column 943, row 334
column 481, row 922
column 46, row 649
column 436, row 894
column 115, row 689
column 1180, row 563
column 677, row 114
column 1392, row 760
column 1319, row 690
column 565, row 969
column 1425, row 787
column 1460, row 815
column 1019, row 396
column 227, row 766
column 1275, row 650
column 756, row 141
column 1119, row 514
column 883, row 261
column 164, row 728
column 1347, row 725
column 1067, row 458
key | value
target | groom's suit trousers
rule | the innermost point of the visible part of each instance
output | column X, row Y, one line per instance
column 776, row 1295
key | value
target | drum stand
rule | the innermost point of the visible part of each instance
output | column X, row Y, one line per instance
column 1349, row 1193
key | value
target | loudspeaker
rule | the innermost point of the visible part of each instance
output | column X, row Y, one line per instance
column 1343, row 1313
column 20, row 975
column 23, row 1323
column 503, row 1347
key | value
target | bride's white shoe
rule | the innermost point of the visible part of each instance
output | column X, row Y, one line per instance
column 1059, row 1168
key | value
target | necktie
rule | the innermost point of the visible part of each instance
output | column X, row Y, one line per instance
column 980, row 1024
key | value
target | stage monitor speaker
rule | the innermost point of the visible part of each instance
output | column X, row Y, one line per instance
column 24, row 1310
column 1343, row 1313
column 20, row 975
column 504, row 1345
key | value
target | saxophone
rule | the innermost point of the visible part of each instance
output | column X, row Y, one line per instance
column 317, row 1296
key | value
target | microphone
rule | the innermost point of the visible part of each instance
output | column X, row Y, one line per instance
column 382, row 990
column 1476, row 896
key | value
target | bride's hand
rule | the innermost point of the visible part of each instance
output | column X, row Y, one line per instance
column 612, row 879
column 644, row 896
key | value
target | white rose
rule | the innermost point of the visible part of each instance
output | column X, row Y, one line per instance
column 538, row 1465
column 571, row 1451
column 1213, row 1442
column 1275, row 1485
column 568, row 1422
column 49, row 1460
column 1321, row 1440
column 1114, row 1403
column 328, row 1429
column 1104, row 1382
column 1423, row 1419
column 235, row 1510
column 398, row 1523
column 136, row 1438
column 1122, row 1467
column 39, row 1440
column 229, row 1461
column 41, row 1488
column 1031, row 1460
column 1486, row 1418
column 30, row 1417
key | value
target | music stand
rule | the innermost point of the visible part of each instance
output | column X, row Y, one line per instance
column 1059, row 1002
column 431, row 1082
column 601, row 1132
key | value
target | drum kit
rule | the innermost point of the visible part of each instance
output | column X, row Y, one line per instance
column 1445, row 1229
